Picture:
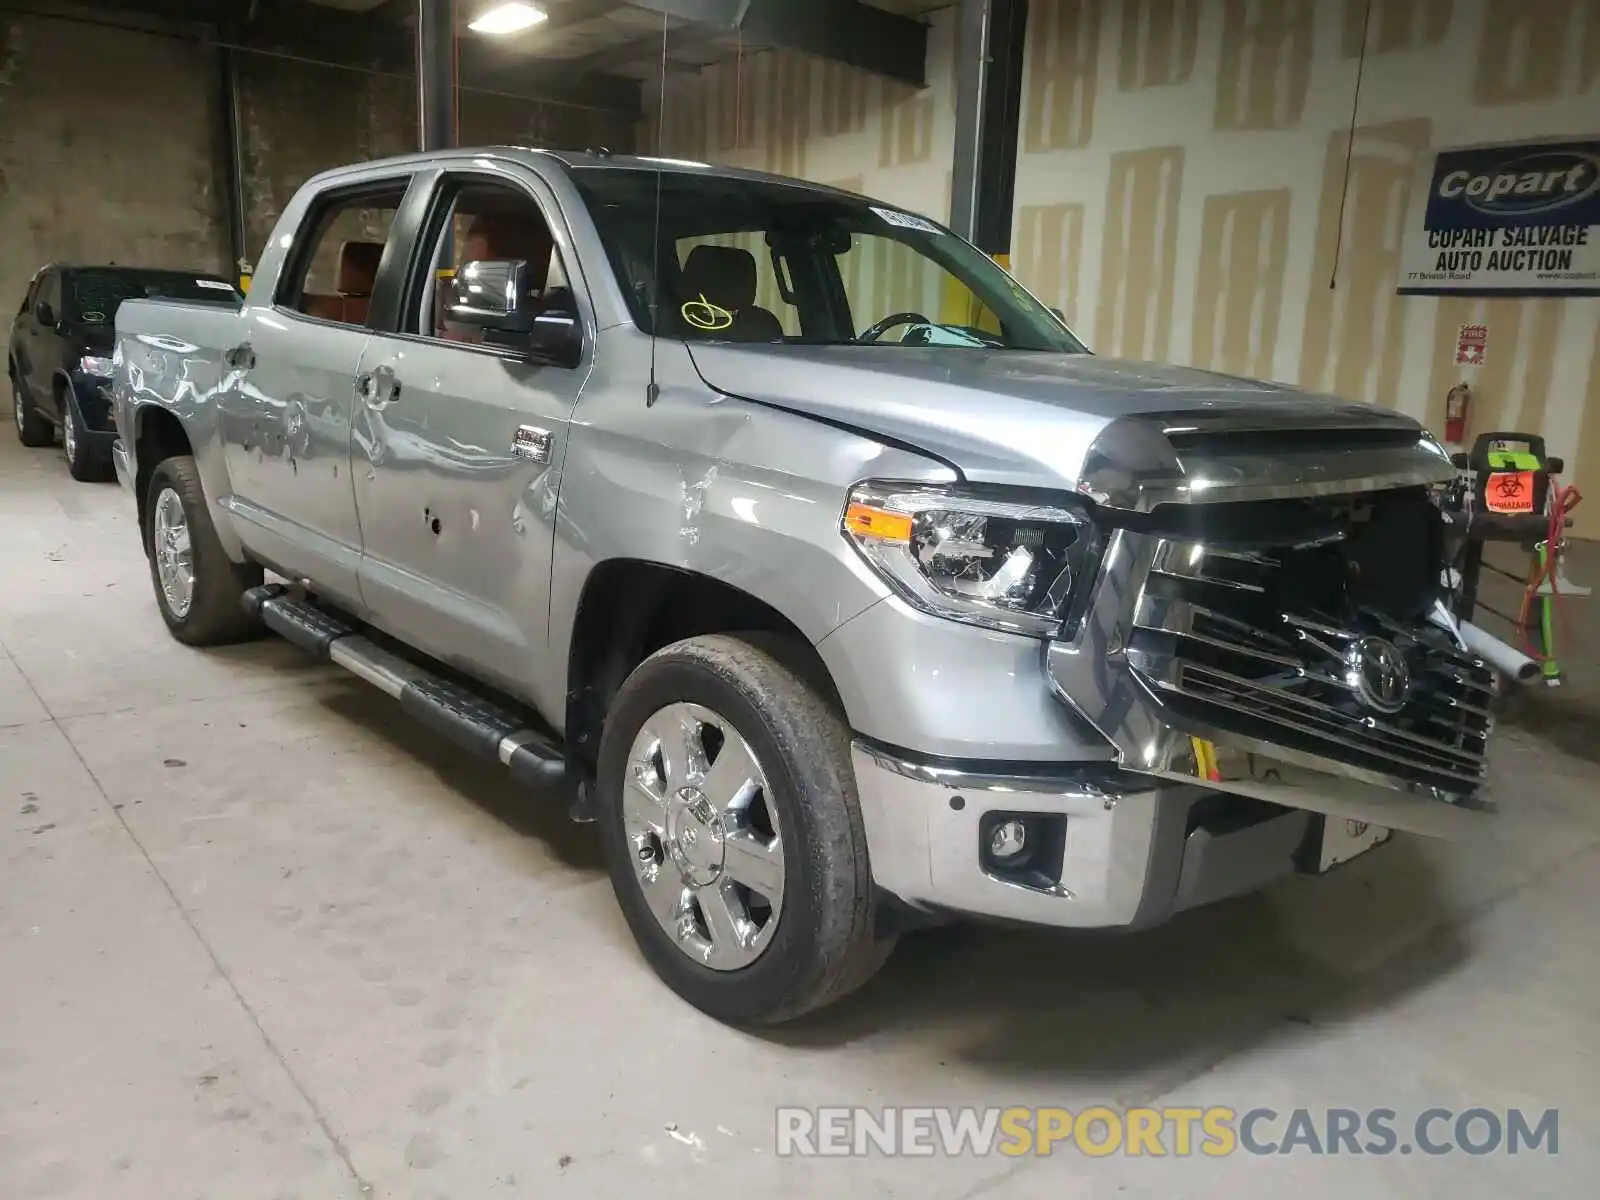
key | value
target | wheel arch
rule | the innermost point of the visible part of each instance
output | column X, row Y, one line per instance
column 157, row 435
column 629, row 608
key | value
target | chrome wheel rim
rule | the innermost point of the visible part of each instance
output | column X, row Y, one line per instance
column 69, row 436
column 16, row 408
column 703, row 835
column 169, row 536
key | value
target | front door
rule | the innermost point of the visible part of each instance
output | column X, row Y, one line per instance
column 45, row 346
column 291, row 392
column 459, row 441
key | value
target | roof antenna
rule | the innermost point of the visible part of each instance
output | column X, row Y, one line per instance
column 652, row 393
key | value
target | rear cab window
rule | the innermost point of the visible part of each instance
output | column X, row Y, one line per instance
column 332, row 268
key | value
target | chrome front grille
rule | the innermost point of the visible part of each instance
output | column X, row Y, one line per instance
column 1235, row 641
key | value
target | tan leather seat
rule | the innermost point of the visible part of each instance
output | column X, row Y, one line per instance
column 498, row 237
column 353, row 283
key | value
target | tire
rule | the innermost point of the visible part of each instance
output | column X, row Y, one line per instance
column 83, row 464
column 808, row 946
column 212, row 613
column 32, row 427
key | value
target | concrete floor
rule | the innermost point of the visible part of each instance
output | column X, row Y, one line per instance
column 261, row 937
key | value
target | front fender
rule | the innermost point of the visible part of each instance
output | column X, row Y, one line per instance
column 747, row 495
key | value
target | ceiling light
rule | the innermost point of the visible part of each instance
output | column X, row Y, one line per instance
column 510, row 17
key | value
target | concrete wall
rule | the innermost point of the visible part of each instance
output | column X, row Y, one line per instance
column 1179, row 178
column 110, row 143
column 106, row 151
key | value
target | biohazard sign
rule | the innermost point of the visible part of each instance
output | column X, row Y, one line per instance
column 1509, row 492
column 1472, row 341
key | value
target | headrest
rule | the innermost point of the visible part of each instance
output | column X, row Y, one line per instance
column 358, row 268
column 497, row 237
column 724, row 275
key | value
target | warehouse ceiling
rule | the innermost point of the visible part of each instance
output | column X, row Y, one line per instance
column 586, row 51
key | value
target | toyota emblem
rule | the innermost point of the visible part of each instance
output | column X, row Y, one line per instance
column 1376, row 671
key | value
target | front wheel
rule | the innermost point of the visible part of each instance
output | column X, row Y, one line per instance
column 199, row 589
column 730, row 821
column 82, row 463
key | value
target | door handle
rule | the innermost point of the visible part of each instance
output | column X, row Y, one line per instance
column 379, row 387
column 241, row 357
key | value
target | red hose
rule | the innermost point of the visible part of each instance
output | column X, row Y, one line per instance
column 1561, row 505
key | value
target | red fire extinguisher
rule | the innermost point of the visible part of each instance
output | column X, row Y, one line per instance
column 1457, row 403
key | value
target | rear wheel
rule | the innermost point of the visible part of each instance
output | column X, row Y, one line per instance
column 32, row 428
column 198, row 588
column 729, row 815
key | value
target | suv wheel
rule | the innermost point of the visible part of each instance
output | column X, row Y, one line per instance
column 32, row 428
column 734, row 838
column 198, row 588
column 82, row 463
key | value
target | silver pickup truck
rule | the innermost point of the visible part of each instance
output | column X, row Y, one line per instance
column 788, row 537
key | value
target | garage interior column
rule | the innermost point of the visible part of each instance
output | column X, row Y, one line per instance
column 991, row 43
column 436, row 94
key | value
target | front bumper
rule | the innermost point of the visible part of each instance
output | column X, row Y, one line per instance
column 1135, row 834
column 1135, row 850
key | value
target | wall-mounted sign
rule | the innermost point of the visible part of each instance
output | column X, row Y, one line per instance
column 1472, row 344
column 1508, row 220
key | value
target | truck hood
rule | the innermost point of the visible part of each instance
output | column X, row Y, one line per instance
column 1082, row 421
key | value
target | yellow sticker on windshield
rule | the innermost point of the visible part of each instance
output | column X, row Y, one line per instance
column 703, row 314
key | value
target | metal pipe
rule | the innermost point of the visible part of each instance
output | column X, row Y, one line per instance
column 233, row 164
column 1502, row 656
column 972, row 78
column 435, row 74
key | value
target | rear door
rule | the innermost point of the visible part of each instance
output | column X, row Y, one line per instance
column 458, row 444
column 291, row 392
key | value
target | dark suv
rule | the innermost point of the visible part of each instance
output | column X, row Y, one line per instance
column 59, row 360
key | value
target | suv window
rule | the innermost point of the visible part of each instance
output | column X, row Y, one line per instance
column 481, row 220
column 333, row 267
column 49, row 293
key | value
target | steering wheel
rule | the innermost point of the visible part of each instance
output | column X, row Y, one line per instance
column 876, row 331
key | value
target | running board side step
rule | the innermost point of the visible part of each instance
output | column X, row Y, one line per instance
column 469, row 720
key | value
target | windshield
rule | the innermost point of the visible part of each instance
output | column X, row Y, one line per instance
column 93, row 295
column 758, row 261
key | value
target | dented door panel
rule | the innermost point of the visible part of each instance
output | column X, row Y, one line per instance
column 457, row 454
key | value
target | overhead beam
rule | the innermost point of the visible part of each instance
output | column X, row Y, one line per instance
column 646, row 48
column 844, row 31
column 575, row 12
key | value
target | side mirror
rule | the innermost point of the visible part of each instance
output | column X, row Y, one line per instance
column 491, row 295
column 556, row 337
column 46, row 314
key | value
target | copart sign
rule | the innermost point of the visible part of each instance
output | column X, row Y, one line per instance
column 1509, row 220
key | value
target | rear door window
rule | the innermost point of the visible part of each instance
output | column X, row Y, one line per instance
column 332, row 270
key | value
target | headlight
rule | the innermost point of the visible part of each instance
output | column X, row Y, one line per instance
column 988, row 560
column 93, row 364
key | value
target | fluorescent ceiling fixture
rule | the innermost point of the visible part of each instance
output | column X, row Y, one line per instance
column 510, row 17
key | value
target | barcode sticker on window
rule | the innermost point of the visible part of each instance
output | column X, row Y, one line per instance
column 906, row 220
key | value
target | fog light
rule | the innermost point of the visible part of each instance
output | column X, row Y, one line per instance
column 1009, row 841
